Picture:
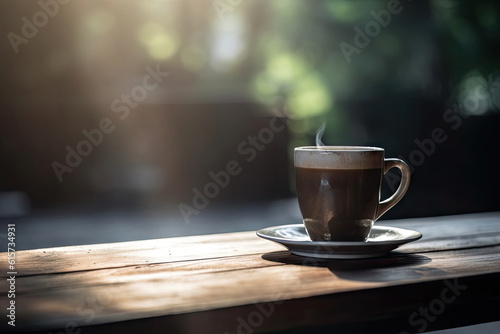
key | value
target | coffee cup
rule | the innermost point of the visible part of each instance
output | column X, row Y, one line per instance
column 338, row 189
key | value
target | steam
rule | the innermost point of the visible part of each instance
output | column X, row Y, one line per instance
column 319, row 134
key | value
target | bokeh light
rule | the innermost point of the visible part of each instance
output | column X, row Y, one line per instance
column 160, row 43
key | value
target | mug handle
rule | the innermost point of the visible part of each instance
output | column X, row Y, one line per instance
column 385, row 205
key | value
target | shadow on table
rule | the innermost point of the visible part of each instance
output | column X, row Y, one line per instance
column 393, row 267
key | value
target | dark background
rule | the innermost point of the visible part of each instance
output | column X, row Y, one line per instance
column 232, row 68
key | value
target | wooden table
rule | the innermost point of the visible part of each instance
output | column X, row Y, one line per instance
column 239, row 283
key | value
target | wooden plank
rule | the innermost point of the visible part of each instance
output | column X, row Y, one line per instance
column 439, row 233
column 114, row 255
column 121, row 294
column 379, row 310
column 105, row 283
column 451, row 232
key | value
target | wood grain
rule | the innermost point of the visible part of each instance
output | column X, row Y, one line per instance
column 439, row 233
column 164, row 278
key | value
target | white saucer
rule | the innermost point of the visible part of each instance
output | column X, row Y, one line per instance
column 382, row 240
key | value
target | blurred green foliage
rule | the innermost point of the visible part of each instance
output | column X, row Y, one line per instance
column 428, row 50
